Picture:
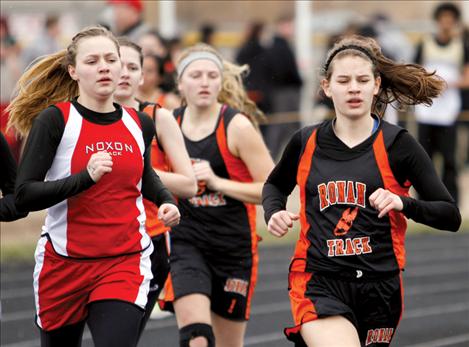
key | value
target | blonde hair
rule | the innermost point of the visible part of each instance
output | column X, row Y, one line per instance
column 408, row 84
column 47, row 82
column 232, row 91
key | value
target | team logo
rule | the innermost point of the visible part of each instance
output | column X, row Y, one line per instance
column 203, row 197
column 214, row 199
column 380, row 335
column 236, row 285
column 114, row 148
column 348, row 246
column 345, row 222
column 341, row 193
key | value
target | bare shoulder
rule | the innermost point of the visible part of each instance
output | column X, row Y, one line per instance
column 164, row 117
column 240, row 124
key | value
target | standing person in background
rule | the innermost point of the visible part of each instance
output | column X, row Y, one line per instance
column 207, row 34
column 88, row 162
column 127, row 18
column 149, row 89
column 354, row 173
column 253, row 53
column 10, row 71
column 169, row 159
column 285, row 84
column 214, row 251
column 47, row 42
column 446, row 54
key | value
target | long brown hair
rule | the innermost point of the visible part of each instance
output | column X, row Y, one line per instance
column 47, row 82
column 408, row 84
column 232, row 91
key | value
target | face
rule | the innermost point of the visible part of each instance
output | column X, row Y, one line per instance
column 352, row 86
column 151, row 76
column 124, row 16
column 446, row 22
column 97, row 67
column 200, row 83
column 131, row 73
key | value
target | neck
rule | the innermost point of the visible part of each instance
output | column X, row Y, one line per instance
column 104, row 105
column 200, row 114
column 353, row 131
column 129, row 102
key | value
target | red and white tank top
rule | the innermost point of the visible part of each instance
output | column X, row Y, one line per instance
column 107, row 219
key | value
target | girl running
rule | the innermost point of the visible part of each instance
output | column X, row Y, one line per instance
column 354, row 174
column 169, row 159
column 88, row 161
column 214, row 251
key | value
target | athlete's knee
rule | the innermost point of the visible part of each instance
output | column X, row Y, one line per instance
column 191, row 331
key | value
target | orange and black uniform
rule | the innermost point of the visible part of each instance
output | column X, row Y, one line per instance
column 347, row 261
column 155, row 228
column 214, row 248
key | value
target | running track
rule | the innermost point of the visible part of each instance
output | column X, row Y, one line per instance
column 436, row 289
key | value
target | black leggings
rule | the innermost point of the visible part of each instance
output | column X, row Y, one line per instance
column 112, row 323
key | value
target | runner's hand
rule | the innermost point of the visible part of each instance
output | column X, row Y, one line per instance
column 169, row 214
column 280, row 222
column 384, row 201
column 100, row 163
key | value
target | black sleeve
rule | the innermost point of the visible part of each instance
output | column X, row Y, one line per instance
column 282, row 179
column 152, row 187
column 8, row 171
column 8, row 210
column 32, row 192
column 418, row 54
column 435, row 206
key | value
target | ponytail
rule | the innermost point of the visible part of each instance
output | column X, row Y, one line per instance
column 45, row 83
column 408, row 84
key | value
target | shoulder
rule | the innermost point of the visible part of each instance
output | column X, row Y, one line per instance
column 178, row 111
column 165, row 121
column 145, row 120
column 163, row 115
column 240, row 122
column 391, row 132
column 51, row 117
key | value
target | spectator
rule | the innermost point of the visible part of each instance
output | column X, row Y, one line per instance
column 127, row 18
column 207, row 34
column 47, row 42
column 285, row 84
column 444, row 53
column 253, row 53
column 9, row 72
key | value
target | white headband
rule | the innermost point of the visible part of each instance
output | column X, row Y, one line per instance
column 198, row 56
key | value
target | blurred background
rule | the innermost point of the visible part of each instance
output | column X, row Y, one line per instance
column 283, row 42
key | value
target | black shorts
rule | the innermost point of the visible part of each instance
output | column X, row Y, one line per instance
column 227, row 280
column 159, row 262
column 374, row 307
